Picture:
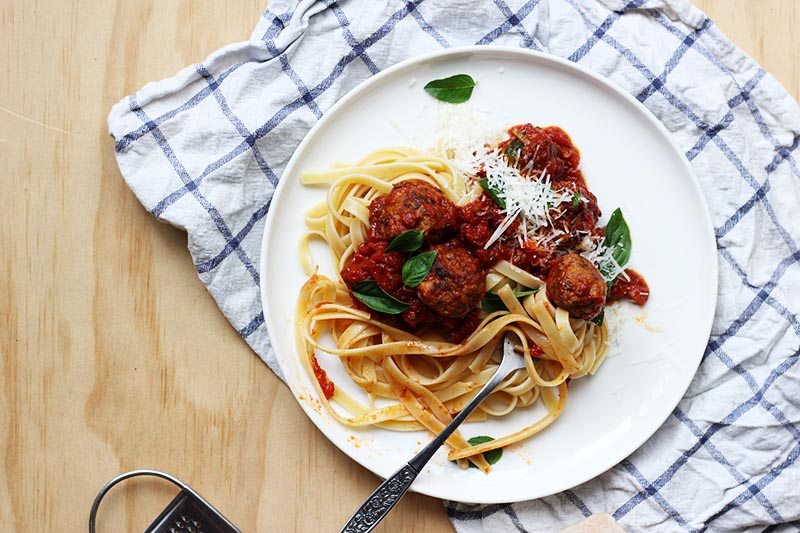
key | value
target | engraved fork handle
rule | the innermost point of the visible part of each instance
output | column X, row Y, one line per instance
column 388, row 493
column 381, row 501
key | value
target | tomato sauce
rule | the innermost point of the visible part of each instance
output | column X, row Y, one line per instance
column 322, row 378
column 536, row 351
column 372, row 261
column 477, row 222
column 634, row 288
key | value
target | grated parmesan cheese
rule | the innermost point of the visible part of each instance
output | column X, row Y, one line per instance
column 468, row 139
column 462, row 133
column 528, row 198
column 615, row 317
column 602, row 257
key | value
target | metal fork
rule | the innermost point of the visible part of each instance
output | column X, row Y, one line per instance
column 388, row 493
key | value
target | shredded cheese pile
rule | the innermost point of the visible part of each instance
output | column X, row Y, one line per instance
column 531, row 198
column 463, row 134
column 467, row 138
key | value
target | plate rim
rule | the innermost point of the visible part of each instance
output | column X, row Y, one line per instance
column 707, row 232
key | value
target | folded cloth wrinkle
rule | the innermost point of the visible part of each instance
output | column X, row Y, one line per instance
column 205, row 149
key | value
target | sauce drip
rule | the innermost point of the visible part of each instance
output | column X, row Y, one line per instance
column 634, row 288
column 325, row 384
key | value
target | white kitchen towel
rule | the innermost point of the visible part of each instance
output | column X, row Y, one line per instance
column 204, row 150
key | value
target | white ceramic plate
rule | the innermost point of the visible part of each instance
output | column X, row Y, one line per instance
column 628, row 161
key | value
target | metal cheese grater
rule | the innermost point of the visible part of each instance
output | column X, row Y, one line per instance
column 188, row 512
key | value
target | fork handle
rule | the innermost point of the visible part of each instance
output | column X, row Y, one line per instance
column 381, row 501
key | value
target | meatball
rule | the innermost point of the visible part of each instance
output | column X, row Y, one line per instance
column 412, row 205
column 575, row 285
column 455, row 284
column 548, row 150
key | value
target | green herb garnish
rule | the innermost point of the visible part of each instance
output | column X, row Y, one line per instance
column 599, row 318
column 454, row 90
column 492, row 192
column 417, row 268
column 492, row 456
column 370, row 294
column 513, row 151
column 409, row 241
column 576, row 198
column 617, row 237
column 491, row 302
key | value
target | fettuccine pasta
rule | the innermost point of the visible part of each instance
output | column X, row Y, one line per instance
column 417, row 372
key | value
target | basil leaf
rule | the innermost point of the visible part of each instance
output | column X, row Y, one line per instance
column 370, row 293
column 410, row 241
column 513, row 151
column 617, row 236
column 599, row 318
column 491, row 302
column 576, row 198
column 522, row 294
column 492, row 456
column 454, row 90
column 417, row 268
column 492, row 193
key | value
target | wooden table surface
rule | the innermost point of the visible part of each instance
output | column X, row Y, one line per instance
column 112, row 354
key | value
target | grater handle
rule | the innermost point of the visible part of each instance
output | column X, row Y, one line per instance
column 188, row 511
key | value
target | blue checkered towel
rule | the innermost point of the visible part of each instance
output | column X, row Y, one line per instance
column 203, row 151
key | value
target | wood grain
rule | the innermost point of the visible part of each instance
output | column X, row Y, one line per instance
column 112, row 354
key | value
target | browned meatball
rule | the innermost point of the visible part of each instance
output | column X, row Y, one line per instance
column 412, row 205
column 456, row 282
column 575, row 285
